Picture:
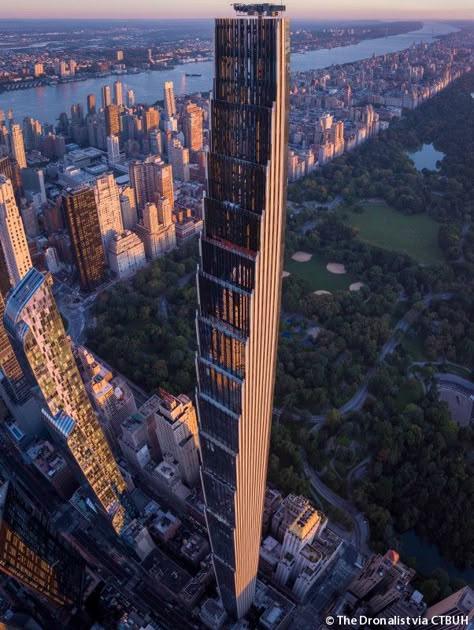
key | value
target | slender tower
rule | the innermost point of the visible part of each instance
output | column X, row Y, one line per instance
column 106, row 99
column 239, row 286
column 18, row 146
column 32, row 317
column 12, row 234
column 170, row 102
column 15, row 263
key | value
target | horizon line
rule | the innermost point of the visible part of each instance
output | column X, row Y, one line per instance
column 407, row 18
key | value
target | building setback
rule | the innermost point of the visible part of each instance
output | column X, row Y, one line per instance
column 32, row 317
column 239, row 287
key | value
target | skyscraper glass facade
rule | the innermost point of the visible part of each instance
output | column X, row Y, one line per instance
column 239, row 286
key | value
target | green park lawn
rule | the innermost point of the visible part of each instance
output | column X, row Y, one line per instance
column 414, row 235
column 314, row 272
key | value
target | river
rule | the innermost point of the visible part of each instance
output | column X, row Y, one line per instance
column 47, row 102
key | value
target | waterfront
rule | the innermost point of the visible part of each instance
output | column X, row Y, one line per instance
column 428, row 558
column 426, row 157
column 46, row 103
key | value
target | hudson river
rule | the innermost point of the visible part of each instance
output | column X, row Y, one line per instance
column 46, row 103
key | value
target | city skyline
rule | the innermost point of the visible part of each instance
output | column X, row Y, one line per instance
column 344, row 10
column 215, row 413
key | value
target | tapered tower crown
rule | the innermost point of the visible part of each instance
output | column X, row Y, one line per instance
column 260, row 10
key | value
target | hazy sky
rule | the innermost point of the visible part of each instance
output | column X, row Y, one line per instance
column 317, row 9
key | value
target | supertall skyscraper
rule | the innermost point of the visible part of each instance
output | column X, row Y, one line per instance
column 32, row 317
column 239, row 286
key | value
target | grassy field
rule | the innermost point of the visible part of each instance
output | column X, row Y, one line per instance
column 317, row 276
column 415, row 235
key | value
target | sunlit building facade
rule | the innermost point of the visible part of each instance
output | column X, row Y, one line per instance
column 80, row 208
column 12, row 234
column 18, row 145
column 107, row 198
column 32, row 317
column 17, row 260
column 193, row 127
column 36, row 555
column 239, row 286
column 170, row 102
column 151, row 179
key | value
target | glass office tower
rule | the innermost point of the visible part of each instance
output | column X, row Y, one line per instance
column 239, row 286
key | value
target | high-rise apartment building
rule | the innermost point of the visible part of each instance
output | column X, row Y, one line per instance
column 193, row 127
column 170, row 102
column 12, row 234
column 32, row 552
column 10, row 169
column 130, row 98
column 300, row 532
column 33, row 183
column 158, row 237
column 176, row 428
column 30, row 132
column 380, row 582
column 113, row 149
column 150, row 179
column 118, row 93
column 32, row 317
column 151, row 119
column 111, row 396
column 91, row 104
column 128, row 208
column 17, row 260
column 106, row 99
column 18, row 146
column 457, row 609
column 126, row 254
column 84, row 228
column 112, row 120
column 239, row 286
column 13, row 380
column 107, row 199
column 165, row 187
column 179, row 160
column 155, row 142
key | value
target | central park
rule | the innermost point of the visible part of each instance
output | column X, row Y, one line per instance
column 404, row 238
